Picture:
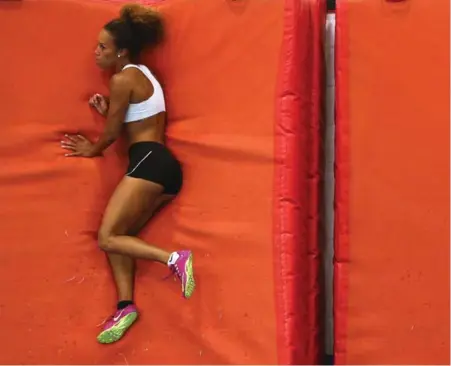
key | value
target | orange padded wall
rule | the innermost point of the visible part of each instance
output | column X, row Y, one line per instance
column 392, row 286
column 237, row 76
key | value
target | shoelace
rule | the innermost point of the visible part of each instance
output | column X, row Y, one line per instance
column 107, row 319
column 174, row 271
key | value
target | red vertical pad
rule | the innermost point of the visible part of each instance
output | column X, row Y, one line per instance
column 299, row 102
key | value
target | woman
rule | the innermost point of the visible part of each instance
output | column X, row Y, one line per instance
column 154, row 176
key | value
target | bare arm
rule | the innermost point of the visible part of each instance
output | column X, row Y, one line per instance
column 120, row 90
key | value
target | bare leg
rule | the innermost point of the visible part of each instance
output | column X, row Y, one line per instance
column 127, row 208
column 123, row 267
column 129, row 203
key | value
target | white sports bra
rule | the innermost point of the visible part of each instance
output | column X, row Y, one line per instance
column 154, row 105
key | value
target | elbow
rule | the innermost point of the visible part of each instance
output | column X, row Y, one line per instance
column 112, row 136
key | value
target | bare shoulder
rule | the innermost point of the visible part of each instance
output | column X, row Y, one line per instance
column 121, row 81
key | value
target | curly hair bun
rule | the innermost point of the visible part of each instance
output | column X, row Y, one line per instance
column 136, row 13
column 146, row 22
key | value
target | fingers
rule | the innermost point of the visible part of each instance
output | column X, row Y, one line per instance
column 95, row 100
column 75, row 138
column 68, row 145
column 71, row 143
column 72, row 138
column 72, row 154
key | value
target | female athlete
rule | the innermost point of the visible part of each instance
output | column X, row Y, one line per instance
column 154, row 176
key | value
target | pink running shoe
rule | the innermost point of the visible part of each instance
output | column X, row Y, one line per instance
column 181, row 264
column 119, row 323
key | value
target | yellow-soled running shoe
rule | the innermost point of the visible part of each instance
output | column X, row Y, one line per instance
column 181, row 264
column 119, row 323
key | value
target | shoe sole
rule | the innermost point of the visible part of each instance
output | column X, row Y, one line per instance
column 190, row 281
column 117, row 331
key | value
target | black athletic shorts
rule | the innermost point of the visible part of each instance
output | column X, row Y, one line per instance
column 154, row 162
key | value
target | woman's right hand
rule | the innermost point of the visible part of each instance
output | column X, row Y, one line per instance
column 100, row 103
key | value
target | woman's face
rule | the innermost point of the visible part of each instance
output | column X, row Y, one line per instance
column 106, row 52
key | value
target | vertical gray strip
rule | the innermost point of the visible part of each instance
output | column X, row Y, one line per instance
column 137, row 165
column 329, row 182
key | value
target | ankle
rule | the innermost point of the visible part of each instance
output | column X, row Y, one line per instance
column 123, row 304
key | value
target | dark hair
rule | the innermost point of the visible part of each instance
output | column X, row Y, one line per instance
column 137, row 27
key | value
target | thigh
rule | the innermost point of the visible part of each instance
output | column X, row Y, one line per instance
column 130, row 202
column 158, row 205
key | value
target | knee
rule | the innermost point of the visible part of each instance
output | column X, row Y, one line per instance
column 105, row 240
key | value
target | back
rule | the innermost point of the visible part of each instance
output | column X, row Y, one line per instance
column 147, row 106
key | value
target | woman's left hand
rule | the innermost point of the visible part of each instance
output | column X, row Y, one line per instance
column 78, row 145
